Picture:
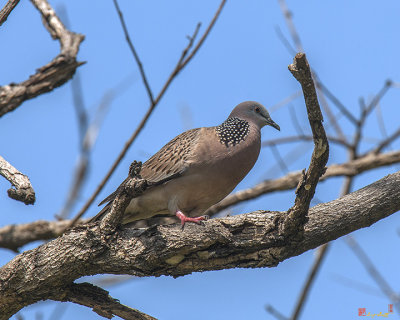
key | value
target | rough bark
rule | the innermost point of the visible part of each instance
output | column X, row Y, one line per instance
column 248, row 241
column 23, row 188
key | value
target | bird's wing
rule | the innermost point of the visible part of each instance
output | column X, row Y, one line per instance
column 171, row 161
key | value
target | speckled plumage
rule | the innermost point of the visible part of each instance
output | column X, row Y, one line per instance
column 200, row 166
column 232, row 131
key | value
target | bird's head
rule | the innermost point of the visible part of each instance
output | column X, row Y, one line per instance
column 254, row 112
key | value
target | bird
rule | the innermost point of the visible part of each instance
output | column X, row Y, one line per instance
column 198, row 168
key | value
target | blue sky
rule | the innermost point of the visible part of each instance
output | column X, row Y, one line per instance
column 354, row 48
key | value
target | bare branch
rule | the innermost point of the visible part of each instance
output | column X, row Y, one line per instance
column 15, row 236
column 52, row 75
column 279, row 159
column 23, row 189
column 374, row 273
column 8, row 7
column 306, row 187
column 180, row 65
column 303, row 137
column 99, row 300
column 133, row 50
column 285, row 101
column 272, row 311
column 248, row 240
column 387, row 141
column 351, row 168
column 321, row 254
column 336, row 102
column 289, row 22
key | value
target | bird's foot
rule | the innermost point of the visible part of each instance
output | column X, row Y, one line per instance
column 185, row 219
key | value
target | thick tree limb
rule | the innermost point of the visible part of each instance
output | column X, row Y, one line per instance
column 99, row 300
column 23, row 189
column 290, row 181
column 248, row 241
column 15, row 236
column 53, row 74
column 5, row 12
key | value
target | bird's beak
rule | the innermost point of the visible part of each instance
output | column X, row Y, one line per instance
column 271, row 123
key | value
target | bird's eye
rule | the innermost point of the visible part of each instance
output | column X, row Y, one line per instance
column 257, row 109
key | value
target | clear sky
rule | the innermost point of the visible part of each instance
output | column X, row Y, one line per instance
column 353, row 46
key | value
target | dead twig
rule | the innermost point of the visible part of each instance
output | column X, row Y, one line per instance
column 23, row 189
column 296, row 217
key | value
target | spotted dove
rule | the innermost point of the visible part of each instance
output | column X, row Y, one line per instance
column 200, row 167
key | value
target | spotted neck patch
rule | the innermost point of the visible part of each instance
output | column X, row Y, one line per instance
column 232, row 131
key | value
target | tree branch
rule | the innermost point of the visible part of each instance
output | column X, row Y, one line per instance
column 248, row 241
column 23, row 189
column 15, row 236
column 53, row 74
column 305, row 190
column 5, row 12
column 290, row 181
column 99, row 300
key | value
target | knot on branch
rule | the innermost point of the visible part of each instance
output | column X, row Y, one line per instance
column 27, row 195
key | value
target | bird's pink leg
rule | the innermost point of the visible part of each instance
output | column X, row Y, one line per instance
column 184, row 219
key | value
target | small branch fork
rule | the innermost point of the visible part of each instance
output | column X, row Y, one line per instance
column 23, row 189
column 296, row 218
column 52, row 75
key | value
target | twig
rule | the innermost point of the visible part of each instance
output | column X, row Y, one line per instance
column 275, row 313
column 99, row 300
column 133, row 50
column 295, row 121
column 89, row 140
column 15, row 236
column 321, row 254
column 383, row 144
column 5, row 12
column 381, row 122
column 374, row 273
column 52, row 75
column 284, row 101
column 279, row 159
column 289, row 22
column 336, row 102
column 303, row 137
column 296, row 217
column 327, row 109
column 23, row 189
column 350, row 168
column 172, row 76
column 357, row 285
column 379, row 96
